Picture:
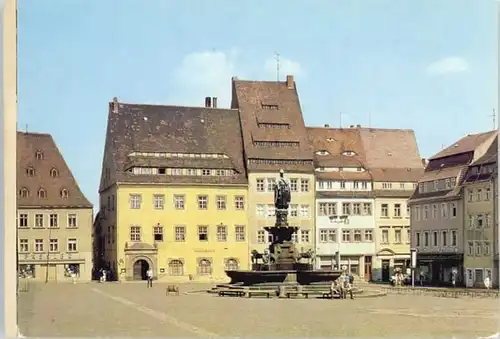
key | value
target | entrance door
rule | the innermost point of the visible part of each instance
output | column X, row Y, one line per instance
column 368, row 271
column 386, row 276
column 141, row 266
column 478, row 277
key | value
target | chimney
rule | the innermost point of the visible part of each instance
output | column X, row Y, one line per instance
column 214, row 102
column 115, row 105
column 208, row 102
column 424, row 162
column 352, row 126
column 289, row 82
column 358, row 126
column 327, row 125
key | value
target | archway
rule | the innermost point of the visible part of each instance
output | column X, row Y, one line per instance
column 141, row 267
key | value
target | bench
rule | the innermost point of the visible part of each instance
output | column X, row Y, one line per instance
column 231, row 292
column 267, row 293
column 307, row 292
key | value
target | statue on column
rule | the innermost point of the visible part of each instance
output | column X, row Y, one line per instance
column 282, row 197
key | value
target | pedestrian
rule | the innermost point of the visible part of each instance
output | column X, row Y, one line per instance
column 487, row 282
column 422, row 277
column 149, row 275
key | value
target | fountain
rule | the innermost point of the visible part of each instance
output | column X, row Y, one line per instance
column 281, row 261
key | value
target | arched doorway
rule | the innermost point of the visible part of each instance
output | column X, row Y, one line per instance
column 141, row 266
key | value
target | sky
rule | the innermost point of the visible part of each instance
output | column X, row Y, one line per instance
column 428, row 65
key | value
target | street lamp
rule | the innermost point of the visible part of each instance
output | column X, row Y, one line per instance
column 413, row 252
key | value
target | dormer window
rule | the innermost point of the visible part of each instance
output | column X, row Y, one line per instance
column 54, row 173
column 349, row 153
column 30, row 171
column 42, row 194
column 322, row 152
column 24, row 193
column 39, row 155
column 330, row 139
column 64, row 193
column 273, row 107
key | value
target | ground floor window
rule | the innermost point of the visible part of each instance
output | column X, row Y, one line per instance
column 205, row 267
column 71, row 269
column 231, row 264
column 26, row 271
column 175, row 267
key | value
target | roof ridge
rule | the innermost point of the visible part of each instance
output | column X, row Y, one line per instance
column 180, row 106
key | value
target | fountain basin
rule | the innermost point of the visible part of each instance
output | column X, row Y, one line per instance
column 302, row 277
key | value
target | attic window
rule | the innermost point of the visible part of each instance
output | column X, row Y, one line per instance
column 330, row 139
column 39, row 155
column 42, row 194
column 64, row 193
column 273, row 125
column 30, row 171
column 322, row 152
column 24, row 193
column 349, row 153
column 270, row 107
column 54, row 173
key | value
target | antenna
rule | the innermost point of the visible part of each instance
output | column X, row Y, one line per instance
column 277, row 66
column 493, row 116
column 26, row 128
column 340, row 116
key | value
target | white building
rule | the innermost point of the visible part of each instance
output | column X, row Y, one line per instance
column 345, row 221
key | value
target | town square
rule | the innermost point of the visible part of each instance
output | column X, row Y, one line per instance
column 242, row 169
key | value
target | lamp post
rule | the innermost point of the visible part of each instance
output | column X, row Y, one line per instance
column 413, row 252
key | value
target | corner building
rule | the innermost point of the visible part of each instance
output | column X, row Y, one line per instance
column 274, row 138
column 173, row 193
column 54, row 218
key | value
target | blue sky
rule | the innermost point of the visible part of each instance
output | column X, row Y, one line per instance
column 429, row 65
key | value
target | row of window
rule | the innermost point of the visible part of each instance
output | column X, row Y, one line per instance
column 397, row 211
column 181, row 171
column 179, row 202
column 478, row 248
column 356, row 208
column 39, row 245
column 179, row 233
column 444, row 210
column 342, row 185
column 295, row 210
column 437, row 185
column 326, row 235
column 42, row 193
column 433, row 238
column 179, row 155
column 398, row 235
column 480, row 221
column 267, row 185
column 204, row 267
column 41, row 220
column 478, row 194
column 30, row 172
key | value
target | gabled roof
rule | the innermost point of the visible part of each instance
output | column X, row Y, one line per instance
column 341, row 148
column 272, row 124
column 44, row 176
column 491, row 155
column 466, row 144
column 391, row 148
column 175, row 129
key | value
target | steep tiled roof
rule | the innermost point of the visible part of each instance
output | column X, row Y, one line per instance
column 490, row 156
column 175, row 129
column 43, row 177
column 457, row 172
column 390, row 148
column 272, row 124
column 397, row 174
column 467, row 144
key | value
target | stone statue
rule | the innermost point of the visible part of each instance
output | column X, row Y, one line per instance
column 282, row 197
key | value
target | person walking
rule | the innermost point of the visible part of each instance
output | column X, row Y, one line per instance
column 149, row 274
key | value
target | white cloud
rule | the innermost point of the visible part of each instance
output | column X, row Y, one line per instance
column 287, row 67
column 203, row 74
column 448, row 65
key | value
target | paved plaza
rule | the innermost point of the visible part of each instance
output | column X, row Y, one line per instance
column 132, row 310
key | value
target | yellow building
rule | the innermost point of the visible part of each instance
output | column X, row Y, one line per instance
column 54, row 218
column 274, row 138
column 173, row 193
column 395, row 166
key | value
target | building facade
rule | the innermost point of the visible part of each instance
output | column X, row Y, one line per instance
column 274, row 138
column 54, row 217
column 437, row 216
column 345, row 221
column 479, row 219
column 173, row 193
column 394, row 162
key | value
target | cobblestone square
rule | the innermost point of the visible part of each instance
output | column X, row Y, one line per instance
column 133, row 310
